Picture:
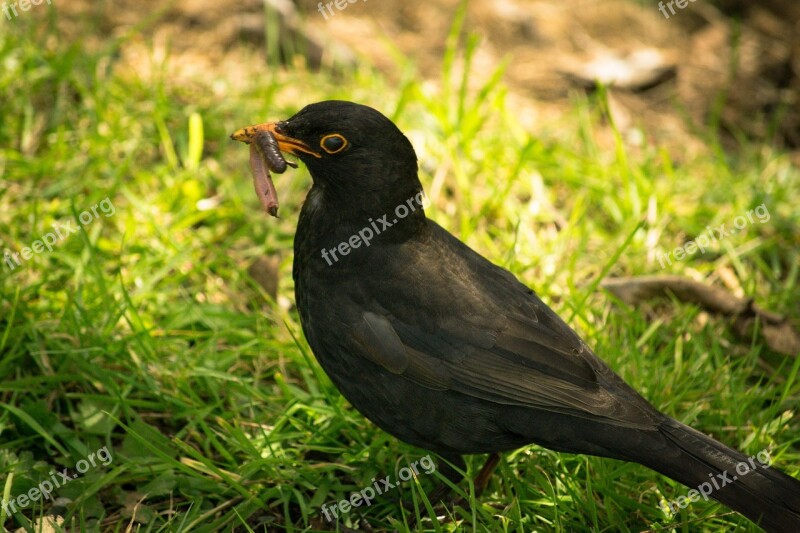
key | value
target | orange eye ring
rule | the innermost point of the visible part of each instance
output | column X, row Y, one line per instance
column 333, row 143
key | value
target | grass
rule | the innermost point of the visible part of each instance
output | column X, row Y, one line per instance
column 143, row 334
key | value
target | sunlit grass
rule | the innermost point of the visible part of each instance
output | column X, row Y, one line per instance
column 143, row 332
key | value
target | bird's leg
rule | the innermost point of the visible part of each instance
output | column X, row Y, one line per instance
column 482, row 479
column 480, row 482
column 453, row 469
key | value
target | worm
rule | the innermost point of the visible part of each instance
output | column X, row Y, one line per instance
column 265, row 155
column 272, row 155
column 269, row 147
column 262, row 181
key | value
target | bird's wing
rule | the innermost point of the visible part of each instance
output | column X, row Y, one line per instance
column 482, row 333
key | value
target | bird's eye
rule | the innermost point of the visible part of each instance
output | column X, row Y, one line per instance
column 333, row 143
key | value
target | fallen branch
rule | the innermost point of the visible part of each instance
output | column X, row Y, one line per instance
column 776, row 329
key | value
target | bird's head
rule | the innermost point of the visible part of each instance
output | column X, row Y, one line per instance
column 356, row 156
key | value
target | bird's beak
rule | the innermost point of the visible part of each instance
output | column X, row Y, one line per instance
column 285, row 143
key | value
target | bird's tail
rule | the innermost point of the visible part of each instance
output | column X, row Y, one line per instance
column 749, row 485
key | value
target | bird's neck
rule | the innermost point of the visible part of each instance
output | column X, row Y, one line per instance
column 325, row 225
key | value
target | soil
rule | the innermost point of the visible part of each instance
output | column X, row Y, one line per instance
column 730, row 58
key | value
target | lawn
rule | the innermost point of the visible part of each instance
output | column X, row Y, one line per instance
column 157, row 386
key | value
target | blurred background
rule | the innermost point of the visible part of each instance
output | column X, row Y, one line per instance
column 146, row 300
column 660, row 55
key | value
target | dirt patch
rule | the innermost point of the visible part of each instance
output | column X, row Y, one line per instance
column 733, row 60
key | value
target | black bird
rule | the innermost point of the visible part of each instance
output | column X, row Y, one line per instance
column 449, row 352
